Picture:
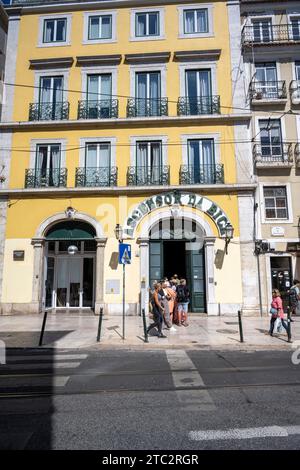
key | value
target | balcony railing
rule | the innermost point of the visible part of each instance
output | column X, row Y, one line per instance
column 270, row 34
column 103, row 109
column 148, row 176
column 49, row 111
column 198, row 105
column 40, row 178
column 203, row 174
column 279, row 154
column 295, row 91
column 139, row 107
column 297, row 155
column 96, row 177
column 259, row 91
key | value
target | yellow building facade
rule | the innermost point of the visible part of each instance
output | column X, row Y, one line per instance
column 124, row 113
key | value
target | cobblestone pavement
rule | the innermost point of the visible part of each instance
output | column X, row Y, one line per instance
column 75, row 331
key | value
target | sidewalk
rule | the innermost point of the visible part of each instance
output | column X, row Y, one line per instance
column 79, row 332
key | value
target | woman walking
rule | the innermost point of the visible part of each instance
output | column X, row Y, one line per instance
column 277, row 311
column 157, row 311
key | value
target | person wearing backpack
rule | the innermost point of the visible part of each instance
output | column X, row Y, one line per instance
column 294, row 297
column 183, row 298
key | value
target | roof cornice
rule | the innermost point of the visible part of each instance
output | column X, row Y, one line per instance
column 73, row 5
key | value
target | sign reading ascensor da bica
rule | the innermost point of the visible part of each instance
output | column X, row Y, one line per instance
column 176, row 198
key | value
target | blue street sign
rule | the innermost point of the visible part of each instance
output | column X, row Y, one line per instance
column 124, row 253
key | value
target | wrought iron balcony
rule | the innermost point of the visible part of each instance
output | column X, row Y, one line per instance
column 49, row 111
column 295, row 91
column 148, row 176
column 140, row 107
column 297, row 155
column 203, row 174
column 102, row 109
column 271, row 91
column 270, row 34
column 40, row 178
column 198, row 105
column 96, row 177
column 278, row 155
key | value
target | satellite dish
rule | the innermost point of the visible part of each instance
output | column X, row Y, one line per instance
column 72, row 250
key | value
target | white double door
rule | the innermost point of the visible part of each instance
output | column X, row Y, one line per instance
column 74, row 282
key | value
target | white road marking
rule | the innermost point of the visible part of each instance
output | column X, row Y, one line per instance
column 35, row 381
column 60, row 381
column 41, row 365
column 245, row 433
column 185, row 374
column 41, row 357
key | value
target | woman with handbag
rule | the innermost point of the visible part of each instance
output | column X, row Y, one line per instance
column 157, row 310
column 276, row 311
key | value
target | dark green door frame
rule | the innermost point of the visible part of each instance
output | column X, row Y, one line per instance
column 195, row 269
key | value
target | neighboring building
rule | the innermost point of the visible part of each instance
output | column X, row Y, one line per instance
column 125, row 113
column 3, row 170
column 3, row 34
column 271, row 53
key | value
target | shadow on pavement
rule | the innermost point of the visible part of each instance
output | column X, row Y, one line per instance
column 26, row 390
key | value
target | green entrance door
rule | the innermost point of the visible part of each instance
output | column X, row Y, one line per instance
column 168, row 257
column 196, row 279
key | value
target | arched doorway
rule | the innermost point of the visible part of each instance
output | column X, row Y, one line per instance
column 176, row 246
column 70, row 273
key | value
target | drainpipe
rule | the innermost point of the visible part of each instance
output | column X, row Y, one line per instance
column 257, row 252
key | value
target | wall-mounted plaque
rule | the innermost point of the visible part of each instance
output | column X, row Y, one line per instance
column 112, row 286
column 277, row 232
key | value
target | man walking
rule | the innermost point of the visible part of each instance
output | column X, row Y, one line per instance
column 294, row 297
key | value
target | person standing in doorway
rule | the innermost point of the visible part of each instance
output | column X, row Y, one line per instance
column 294, row 297
column 277, row 311
column 166, row 297
column 183, row 298
column 157, row 311
column 171, row 293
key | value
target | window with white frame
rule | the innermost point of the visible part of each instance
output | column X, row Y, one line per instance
column 201, row 161
column 149, row 162
column 47, row 165
column 147, row 24
column 295, row 28
column 98, row 155
column 271, row 139
column 262, row 29
column 100, row 27
column 99, row 90
column 195, row 21
column 276, row 203
column 55, row 30
column 97, row 170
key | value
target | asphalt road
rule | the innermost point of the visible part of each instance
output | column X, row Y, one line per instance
column 149, row 400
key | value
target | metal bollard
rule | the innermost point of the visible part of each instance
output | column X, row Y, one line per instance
column 289, row 327
column 100, row 325
column 240, row 327
column 145, row 326
column 43, row 328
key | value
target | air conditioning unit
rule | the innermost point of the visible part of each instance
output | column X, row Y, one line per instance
column 265, row 246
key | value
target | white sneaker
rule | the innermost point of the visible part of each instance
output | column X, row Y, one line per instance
column 172, row 328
